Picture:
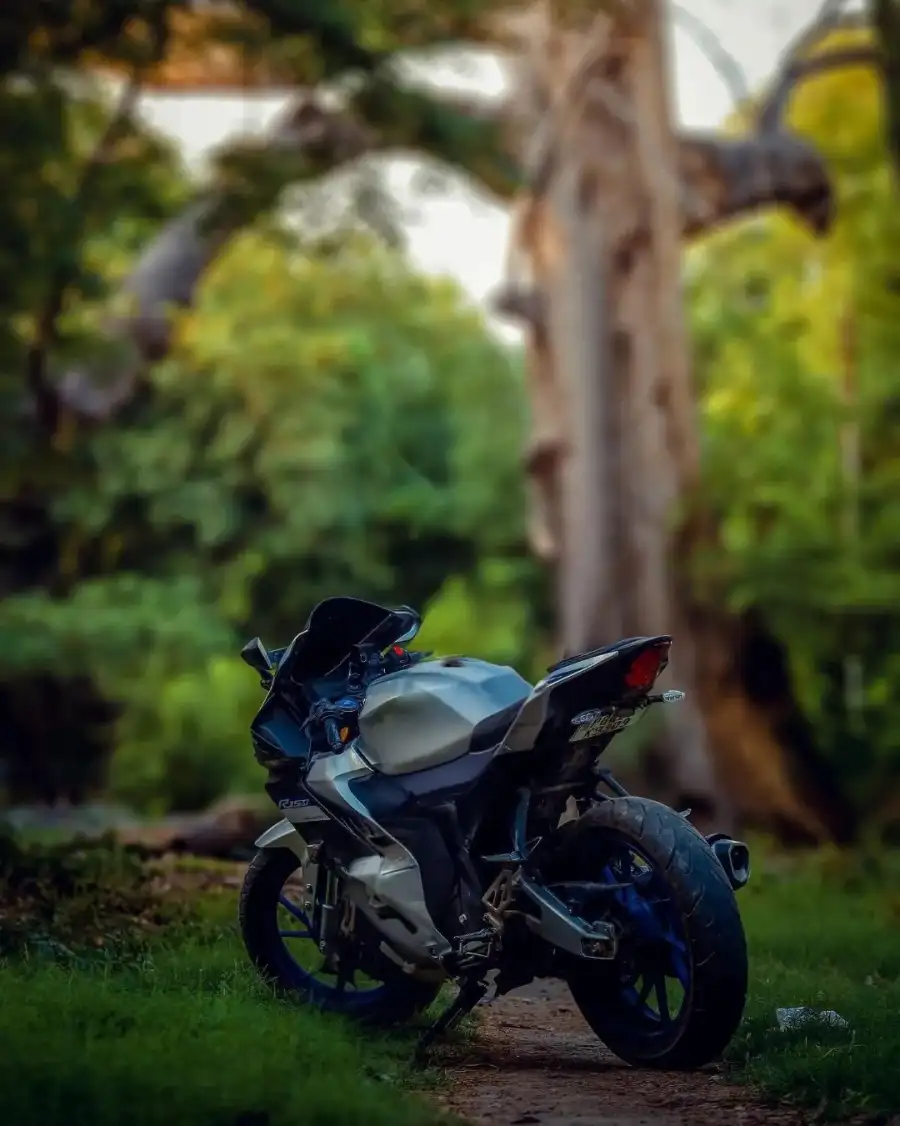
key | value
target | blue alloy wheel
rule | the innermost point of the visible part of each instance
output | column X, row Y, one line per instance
column 674, row 995
column 281, row 936
column 308, row 966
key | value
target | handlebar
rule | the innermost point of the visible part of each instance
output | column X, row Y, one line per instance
column 363, row 666
column 333, row 735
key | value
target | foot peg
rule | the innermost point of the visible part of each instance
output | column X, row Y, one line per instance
column 734, row 856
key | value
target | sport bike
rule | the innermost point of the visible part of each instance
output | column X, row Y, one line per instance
column 445, row 820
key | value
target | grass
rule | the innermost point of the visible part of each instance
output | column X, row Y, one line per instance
column 169, row 1026
column 127, row 999
column 824, row 931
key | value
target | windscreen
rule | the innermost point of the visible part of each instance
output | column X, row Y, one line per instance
column 335, row 626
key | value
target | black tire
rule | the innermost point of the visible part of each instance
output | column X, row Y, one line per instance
column 702, row 897
column 401, row 998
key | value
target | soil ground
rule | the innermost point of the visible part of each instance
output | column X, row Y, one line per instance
column 533, row 1061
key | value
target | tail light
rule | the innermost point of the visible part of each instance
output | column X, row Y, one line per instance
column 646, row 667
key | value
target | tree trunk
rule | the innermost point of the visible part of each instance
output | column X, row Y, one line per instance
column 611, row 196
column 663, row 424
column 608, row 277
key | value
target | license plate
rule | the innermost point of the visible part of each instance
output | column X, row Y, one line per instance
column 592, row 725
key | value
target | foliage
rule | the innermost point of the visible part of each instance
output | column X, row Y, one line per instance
column 844, row 957
column 63, row 224
column 328, row 421
column 796, row 343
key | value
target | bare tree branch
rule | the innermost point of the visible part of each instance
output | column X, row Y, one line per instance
column 735, row 176
column 799, row 64
column 772, row 111
column 732, row 176
column 829, row 16
column 167, row 273
column 886, row 15
column 726, row 65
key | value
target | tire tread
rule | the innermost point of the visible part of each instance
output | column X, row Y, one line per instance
column 711, row 919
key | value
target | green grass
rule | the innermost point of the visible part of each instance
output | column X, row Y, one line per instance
column 130, row 1001
column 173, row 1028
column 824, row 932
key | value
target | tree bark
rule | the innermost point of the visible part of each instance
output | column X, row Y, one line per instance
column 663, row 416
column 611, row 195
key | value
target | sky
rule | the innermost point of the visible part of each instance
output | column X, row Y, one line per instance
column 459, row 232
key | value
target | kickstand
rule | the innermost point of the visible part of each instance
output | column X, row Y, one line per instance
column 470, row 993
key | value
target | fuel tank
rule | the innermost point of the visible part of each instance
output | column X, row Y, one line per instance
column 430, row 714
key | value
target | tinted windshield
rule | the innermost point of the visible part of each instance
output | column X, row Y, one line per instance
column 335, row 626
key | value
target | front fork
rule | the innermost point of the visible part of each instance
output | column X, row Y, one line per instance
column 321, row 894
column 326, row 908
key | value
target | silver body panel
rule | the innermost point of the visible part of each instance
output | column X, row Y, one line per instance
column 426, row 715
column 390, row 877
column 283, row 834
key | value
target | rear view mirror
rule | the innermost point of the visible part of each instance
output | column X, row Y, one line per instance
column 413, row 624
column 257, row 656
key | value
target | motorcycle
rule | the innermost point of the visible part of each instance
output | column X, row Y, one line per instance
column 424, row 839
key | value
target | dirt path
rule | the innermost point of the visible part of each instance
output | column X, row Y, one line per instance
column 534, row 1062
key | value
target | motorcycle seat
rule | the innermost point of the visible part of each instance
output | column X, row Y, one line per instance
column 622, row 643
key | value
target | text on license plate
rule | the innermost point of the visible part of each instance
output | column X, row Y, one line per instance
column 591, row 725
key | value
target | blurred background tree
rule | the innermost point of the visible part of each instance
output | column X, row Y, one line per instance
column 326, row 419
column 317, row 418
column 795, row 346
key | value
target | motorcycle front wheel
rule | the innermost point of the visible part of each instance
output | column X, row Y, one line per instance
column 675, row 995
column 281, row 939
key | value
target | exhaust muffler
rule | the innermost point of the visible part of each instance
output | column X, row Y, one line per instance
column 734, row 856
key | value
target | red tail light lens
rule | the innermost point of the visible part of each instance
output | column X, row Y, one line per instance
column 646, row 667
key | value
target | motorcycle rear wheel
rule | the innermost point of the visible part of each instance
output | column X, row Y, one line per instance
column 682, row 926
column 284, row 957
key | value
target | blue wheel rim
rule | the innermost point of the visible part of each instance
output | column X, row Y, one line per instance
column 655, row 985
column 300, row 945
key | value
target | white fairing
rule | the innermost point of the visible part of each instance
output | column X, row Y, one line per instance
column 427, row 715
column 389, row 878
